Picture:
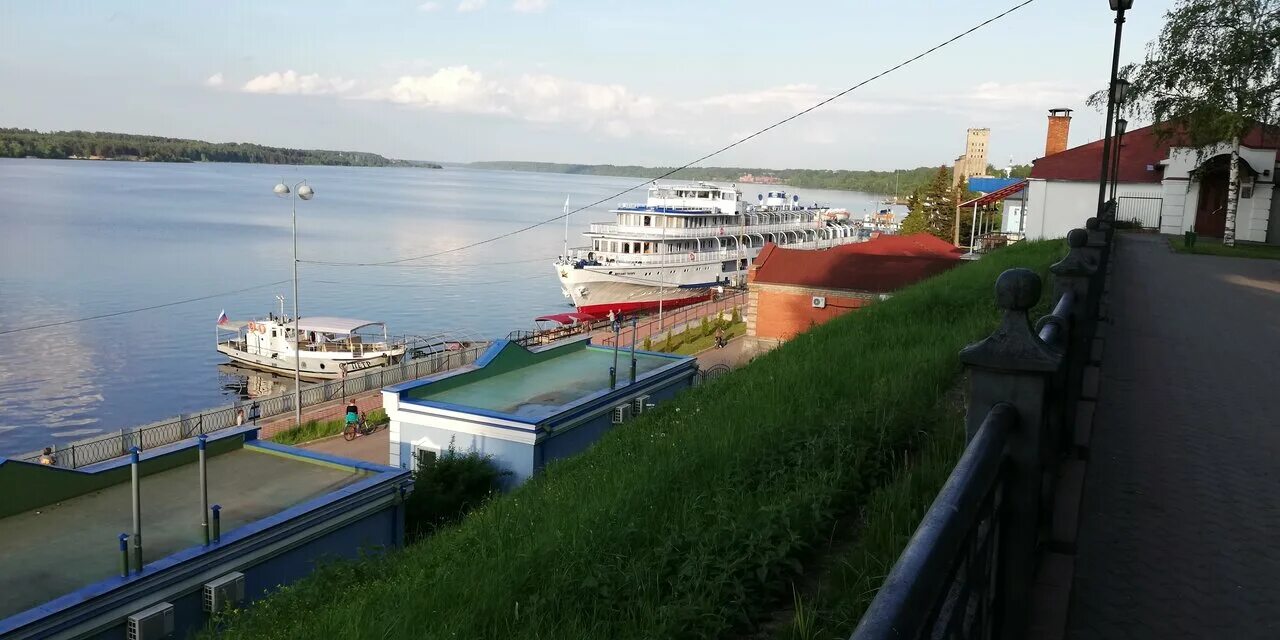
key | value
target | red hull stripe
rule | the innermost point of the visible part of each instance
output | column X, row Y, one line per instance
column 602, row 310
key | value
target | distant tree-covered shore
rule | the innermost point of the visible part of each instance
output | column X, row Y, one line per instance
column 901, row 182
column 98, row 145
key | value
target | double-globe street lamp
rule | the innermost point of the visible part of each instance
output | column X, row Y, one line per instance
column 303, row 191
column 1118, row 6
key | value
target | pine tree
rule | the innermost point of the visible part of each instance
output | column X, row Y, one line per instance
column 933, row 208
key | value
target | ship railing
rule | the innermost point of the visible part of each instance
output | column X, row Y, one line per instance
column 714, row 231
column 116, row 444
column 641, row 208
column 607, row 258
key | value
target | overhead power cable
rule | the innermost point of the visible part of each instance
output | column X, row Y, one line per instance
column 113, row 314
column 708, row 156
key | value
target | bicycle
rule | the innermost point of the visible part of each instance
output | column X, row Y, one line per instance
column 359, row 428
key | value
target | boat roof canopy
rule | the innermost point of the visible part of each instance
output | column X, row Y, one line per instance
column 329, row 324
column 567, row 318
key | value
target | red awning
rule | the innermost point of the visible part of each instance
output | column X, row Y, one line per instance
column 996, row 196
column 567, row 318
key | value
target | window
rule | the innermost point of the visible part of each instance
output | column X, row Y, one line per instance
column 423, row 456
column 648, row 221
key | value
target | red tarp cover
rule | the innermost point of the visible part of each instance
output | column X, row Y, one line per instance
column 996, row 196
column 567, row 318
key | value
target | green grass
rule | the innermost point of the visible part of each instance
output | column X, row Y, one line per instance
column 1214, row 247
column 694, row 520
column 692, row 340
column 832, row 604
column 317, row 429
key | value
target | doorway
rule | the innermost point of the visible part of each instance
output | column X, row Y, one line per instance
column 1211, row 212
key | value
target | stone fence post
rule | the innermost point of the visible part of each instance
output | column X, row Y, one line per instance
column 1076, row 275
column 1013, row 366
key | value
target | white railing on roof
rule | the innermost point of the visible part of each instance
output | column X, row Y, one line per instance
column 729, row 230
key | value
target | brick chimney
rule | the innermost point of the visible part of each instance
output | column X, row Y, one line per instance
column 1059, row 128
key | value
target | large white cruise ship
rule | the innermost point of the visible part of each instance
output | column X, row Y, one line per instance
column 685, row 241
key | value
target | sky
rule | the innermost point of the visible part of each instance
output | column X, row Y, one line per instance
column 658, row 82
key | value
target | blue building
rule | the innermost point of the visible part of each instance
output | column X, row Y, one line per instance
column 71, row 569
column 527, row 407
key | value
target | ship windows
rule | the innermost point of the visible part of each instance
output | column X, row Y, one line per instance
column 648, row 221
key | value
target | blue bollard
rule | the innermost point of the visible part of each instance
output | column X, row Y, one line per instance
column 217, row 523
column 124, row 555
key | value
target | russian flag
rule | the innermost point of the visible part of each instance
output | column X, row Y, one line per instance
column 222, row 317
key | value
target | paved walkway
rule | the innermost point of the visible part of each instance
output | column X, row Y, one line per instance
column 1180, row 535
column 732, row 354
column 375, row 447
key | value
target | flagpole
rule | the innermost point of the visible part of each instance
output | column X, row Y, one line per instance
column 565, row 213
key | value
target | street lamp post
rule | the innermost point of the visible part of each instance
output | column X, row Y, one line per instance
column 1119, row 6
column 304, row 192
column 1121, row 125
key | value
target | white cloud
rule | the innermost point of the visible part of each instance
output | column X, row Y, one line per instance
column 611, row 108
column 456, row 89
column 530, row 6
column 467, row 6
column 291, row 83
column 214, row 80
column 428, row 7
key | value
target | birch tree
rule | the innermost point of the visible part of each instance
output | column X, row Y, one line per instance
column 1213, row 74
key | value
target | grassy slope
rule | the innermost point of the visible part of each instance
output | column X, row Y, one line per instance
column 1212, row 247
column 692, row 520
column 831, row 607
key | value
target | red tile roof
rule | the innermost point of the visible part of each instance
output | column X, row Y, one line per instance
column 1141, row 148
column 884, row 264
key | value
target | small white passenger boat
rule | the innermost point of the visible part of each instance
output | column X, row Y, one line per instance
column 328, row 347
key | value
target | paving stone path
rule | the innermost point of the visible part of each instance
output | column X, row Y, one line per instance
column 1180, row 532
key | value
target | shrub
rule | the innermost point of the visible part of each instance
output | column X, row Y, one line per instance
column 737, row 316
column 706, row 326
column 648, row 344
column 447, row 488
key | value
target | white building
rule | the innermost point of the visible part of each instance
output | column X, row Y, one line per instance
column 1163, row 185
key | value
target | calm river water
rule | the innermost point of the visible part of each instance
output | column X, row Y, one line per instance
column 81, row 238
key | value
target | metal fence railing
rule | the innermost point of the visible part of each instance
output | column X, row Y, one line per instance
column 655, row 328
column 968, row 570
column 106, row 447
column 1142, row 211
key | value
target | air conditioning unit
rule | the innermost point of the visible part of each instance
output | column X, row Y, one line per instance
column 153, row 623
column 639, row 404
column 621, row 413
column 224, row 592
column 819, row 302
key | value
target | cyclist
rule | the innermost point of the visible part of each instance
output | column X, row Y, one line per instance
column 353, row 414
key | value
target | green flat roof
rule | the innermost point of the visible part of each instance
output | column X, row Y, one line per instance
column 58, row 548
column 536, row 385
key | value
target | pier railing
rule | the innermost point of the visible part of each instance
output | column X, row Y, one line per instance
column 969, row 568
column 118, row 443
